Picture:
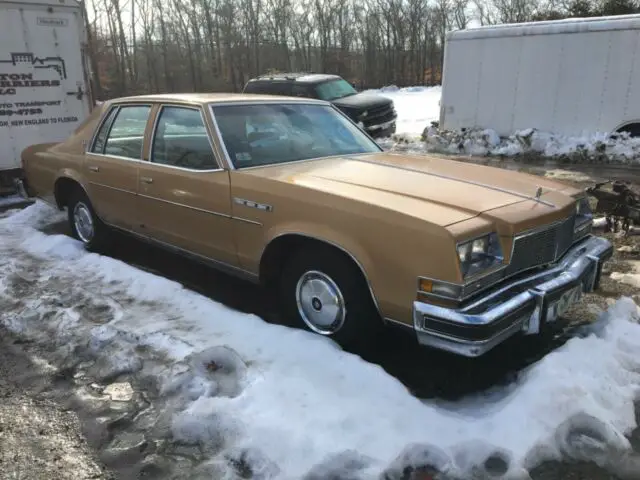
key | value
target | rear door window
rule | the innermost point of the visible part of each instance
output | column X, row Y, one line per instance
column 126, row 136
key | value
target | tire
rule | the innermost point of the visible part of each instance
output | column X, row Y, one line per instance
column 80, row 211
column 337, row 280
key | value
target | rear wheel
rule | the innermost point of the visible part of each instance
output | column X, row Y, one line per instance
column 324, row 292
column 85, row 224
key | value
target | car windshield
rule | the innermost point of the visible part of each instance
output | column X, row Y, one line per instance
column 334, row 89
column 270, row 133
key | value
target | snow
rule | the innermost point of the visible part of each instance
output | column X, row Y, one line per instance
column 10, row 200
column 630, row 278
column 418, row 106
column 293, row 403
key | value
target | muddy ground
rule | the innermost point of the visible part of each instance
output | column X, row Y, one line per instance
column 63, row 423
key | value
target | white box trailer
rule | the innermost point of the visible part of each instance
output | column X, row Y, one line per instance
column 568, row 77
column 44, row 86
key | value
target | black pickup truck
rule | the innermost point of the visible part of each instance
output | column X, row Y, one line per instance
column 374, row 113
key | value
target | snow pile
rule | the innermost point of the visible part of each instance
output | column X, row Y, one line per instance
column 11, row 200
column 293, row 405
column 529, row 144
column 596, row 148
column 417, row 107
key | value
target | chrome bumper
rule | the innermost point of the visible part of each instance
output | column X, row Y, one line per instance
column 523, row 305
column 380, row 126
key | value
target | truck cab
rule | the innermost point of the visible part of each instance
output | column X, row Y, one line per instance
column 374, row 113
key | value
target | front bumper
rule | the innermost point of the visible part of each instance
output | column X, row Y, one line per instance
column 381, row 128
column 522, row 305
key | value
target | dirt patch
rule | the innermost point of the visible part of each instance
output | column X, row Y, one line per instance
column 40, row 439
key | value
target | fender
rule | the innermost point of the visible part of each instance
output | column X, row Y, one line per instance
column 328, row 235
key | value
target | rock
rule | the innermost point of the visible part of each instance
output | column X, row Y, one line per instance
column 128, row 445
column 120, row 392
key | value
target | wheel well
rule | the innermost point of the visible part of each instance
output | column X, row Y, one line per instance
column 277, row 252
column 632, row 128
column 62, row 190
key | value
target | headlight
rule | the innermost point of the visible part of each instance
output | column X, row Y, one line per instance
column 584, row 217
column 479, row 254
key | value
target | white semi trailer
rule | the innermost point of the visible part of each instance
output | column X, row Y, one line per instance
column 568, row 77
column 44, row 80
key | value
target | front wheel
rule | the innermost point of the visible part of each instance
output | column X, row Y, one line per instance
column 324, row 292
column 85, row 224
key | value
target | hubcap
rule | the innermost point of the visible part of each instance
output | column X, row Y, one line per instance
column 320, row 303
column 83, row 221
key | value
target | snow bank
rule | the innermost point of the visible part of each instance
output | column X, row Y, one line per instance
column 294, row 405
column 419, row 106
column 10, row 200
column 595, row 148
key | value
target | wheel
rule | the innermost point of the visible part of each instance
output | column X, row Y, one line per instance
column 324, row 292
column 85, row 224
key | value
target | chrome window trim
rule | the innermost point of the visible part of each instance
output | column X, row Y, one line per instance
column 328, row 157
column 101, row 123
column 302, row 101
column 116, row 157
column 118, row 106
column 227, row 157
column 204, row 124
column 273, row 100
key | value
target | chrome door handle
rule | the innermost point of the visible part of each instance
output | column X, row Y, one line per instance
column 94, row 169
column 146, row 179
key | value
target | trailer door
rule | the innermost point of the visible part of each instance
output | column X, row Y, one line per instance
column 43, row 95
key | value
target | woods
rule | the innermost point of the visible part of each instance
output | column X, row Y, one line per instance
column 150, row 46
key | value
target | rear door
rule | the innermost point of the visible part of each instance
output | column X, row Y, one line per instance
column 112, row 163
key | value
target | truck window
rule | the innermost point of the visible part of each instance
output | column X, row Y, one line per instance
column 254, row 87
column 282, row 88
column 302, row 91
column 126, row 136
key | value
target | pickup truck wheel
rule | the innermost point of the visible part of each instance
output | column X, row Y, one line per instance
column 325, row 293
column 85, row 224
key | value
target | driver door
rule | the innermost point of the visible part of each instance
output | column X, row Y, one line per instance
column 183, row 194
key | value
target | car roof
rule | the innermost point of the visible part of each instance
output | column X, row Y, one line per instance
column 206, row 98
column 298, row 77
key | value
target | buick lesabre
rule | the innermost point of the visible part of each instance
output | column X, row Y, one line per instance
column 290, row 193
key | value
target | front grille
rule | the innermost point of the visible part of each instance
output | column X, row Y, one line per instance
column 541, row 246
column 378, row 115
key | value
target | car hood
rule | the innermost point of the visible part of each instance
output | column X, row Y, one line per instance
column 439, row 190
column 361, row 100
